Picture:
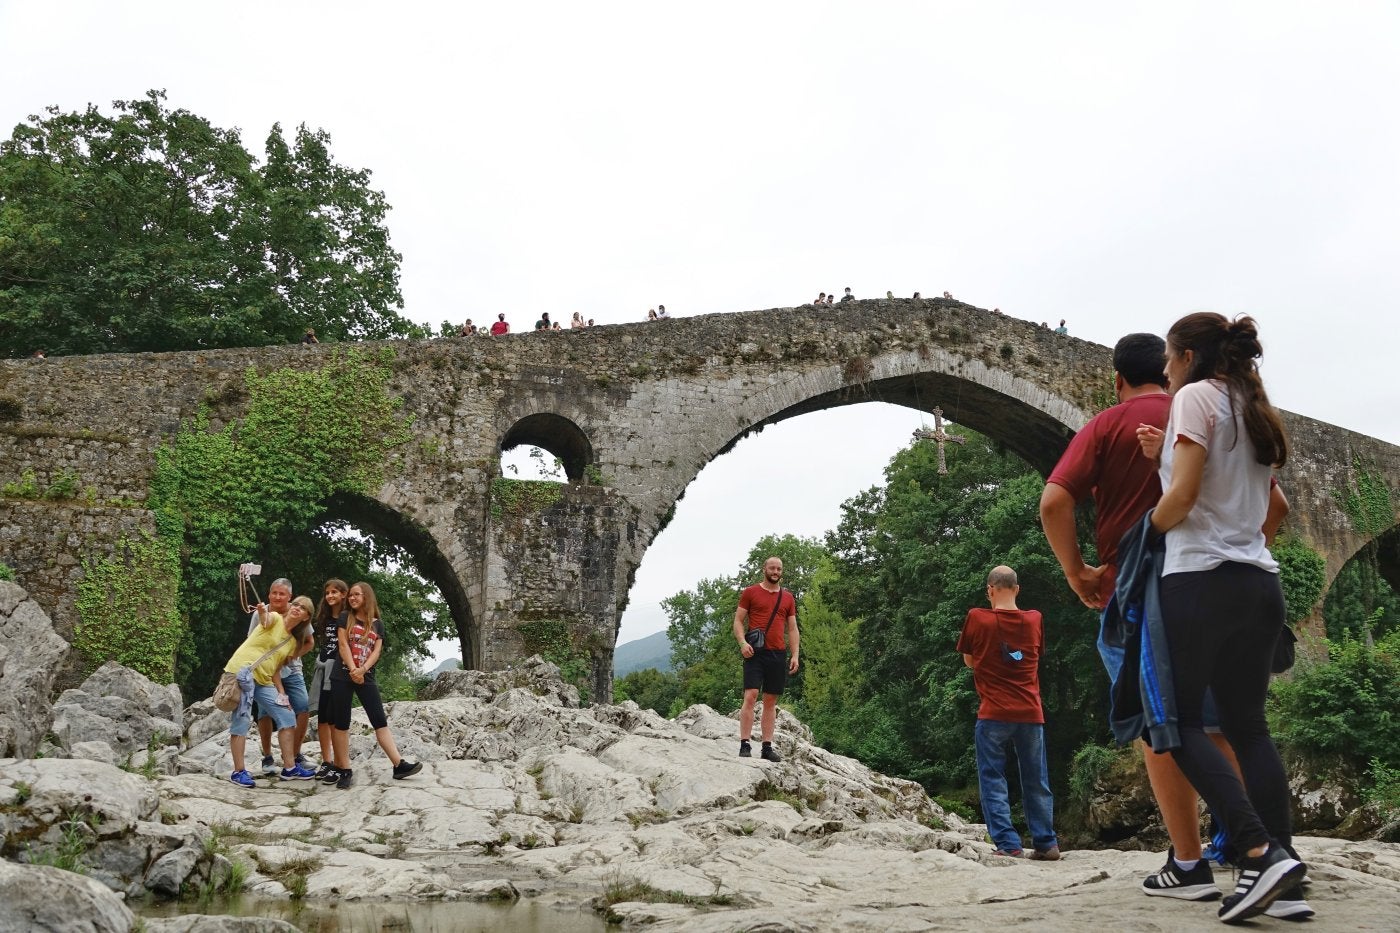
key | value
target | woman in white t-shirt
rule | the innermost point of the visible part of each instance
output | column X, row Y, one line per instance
column 1222, row 604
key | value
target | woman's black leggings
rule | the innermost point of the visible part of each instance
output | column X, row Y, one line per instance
column 1221, row 627
column 368, row 692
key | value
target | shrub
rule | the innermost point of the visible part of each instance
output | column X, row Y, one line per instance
column 1089, row 764
column 6, row 573
column 1344, row 706
column 1384, row 791
column 1302, row 574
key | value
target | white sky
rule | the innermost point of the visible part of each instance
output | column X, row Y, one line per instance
column 1115, row 164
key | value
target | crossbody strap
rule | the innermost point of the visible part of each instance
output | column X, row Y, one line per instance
column 776, row 606
column 270, row 653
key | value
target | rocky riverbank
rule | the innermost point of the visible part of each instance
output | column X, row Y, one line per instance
column 608, row 811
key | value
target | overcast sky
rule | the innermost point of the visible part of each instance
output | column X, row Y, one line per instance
column 1114, row 164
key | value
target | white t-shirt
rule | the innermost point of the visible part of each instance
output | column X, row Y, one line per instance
column 1224, row 525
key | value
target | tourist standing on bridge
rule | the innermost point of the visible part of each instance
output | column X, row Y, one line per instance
column 577, row 321
column 765, row 625
column 1003, row 645
column 848, row 296
column 1221, row 602
column 360, row 642
column 543, row 323
column 500, row 327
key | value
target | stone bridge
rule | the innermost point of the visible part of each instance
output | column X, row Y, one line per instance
column 635, row 412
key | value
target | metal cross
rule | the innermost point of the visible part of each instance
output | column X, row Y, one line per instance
column 939, row 436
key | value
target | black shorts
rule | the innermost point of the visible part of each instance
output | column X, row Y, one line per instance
column 766, row 671
column 341, row 691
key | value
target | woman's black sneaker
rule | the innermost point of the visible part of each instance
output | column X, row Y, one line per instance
column 325, row 769
column 345, row 778
column 1198, row 884
column 332, row 774
column 1262, row 881
column 405, row 768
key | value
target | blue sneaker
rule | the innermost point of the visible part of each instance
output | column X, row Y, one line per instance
column 243, row 779
column 298, row 773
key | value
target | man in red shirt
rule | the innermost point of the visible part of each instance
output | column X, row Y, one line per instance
column 1003, row 645
column 768, row 608
column 500, row 327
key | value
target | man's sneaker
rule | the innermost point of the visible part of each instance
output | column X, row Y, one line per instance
column 406, row 768
column 297, row 773
column 1198, row 884
column 1261, row 881
column 745, row 749
column 326, row 768
column 269, row 766
column 344, row 779
column 1290, row 906
column 331, row 776
column 243, row 779
column 1051, row 854
column 769, row 753
column 301, row 760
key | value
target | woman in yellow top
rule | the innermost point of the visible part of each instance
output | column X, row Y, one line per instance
column 272, row 642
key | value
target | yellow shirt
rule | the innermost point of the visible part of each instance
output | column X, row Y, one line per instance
column 261, row 641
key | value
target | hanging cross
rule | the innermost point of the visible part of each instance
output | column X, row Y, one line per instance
column 939, row 436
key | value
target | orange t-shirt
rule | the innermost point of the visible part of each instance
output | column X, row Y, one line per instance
column 759, row 602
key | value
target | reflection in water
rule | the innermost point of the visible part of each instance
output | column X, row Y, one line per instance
column 411, row 917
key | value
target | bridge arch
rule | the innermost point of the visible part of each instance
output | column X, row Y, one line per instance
column 556, row 434
column 1029, row 420
column 377, row 519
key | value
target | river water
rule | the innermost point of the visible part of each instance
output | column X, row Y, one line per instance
column 410, row 917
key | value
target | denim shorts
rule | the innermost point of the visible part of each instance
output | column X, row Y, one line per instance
column 266, row 697
column 294, row 683
column 1113, row 662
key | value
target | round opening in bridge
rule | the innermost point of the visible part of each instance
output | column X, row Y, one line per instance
column 545, row 446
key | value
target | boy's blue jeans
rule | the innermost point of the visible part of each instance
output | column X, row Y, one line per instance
column 993, row 738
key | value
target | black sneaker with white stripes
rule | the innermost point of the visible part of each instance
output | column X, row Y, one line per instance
column 1198, row 884
column 1261, row 881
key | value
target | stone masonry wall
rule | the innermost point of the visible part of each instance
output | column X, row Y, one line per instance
column 653, row 402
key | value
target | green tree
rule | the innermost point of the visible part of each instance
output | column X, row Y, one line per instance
column 651, row 689
column 151, row 229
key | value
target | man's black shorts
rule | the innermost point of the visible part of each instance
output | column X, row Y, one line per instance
column 766, row 671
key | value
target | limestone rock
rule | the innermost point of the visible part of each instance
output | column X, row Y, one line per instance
column 167, row 876
column 202, row 721
column 534, row 674
column 34, row 655
column 39, row 899
column 136, row 718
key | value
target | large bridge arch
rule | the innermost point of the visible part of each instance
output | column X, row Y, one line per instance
column 654, row 402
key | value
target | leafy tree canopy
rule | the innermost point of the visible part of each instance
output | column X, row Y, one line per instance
column 151, row 229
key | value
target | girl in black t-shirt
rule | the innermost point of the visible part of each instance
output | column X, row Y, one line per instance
column 328, row 616
column 359, row 643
